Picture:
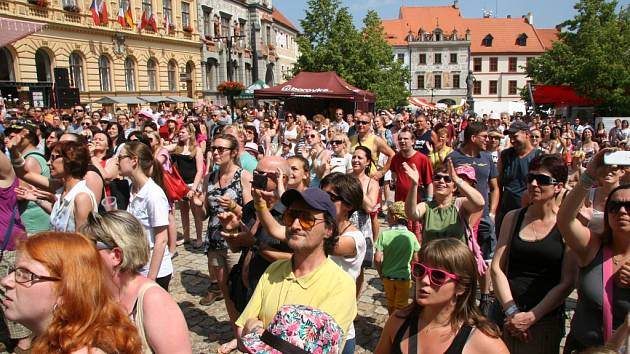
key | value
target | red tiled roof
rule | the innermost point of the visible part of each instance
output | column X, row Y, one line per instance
column 279, row 17
column 504, row 31
column 547, row 36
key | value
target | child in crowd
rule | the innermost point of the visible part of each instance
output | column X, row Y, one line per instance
column 395, row 249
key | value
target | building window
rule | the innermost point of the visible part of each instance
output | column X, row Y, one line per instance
column 512, row 88
column 400, row 57
column 147, row 7
column 207, row 23
column 494, row 64
column 420, row 81
column 521, row 40
column 492, row 88
column 512, row 64
column 225, row 26
column 6, row 65
column 453, row 58
column 152, row 74
column 456, row 81
column 76, row 70
column 268, row 33
column 185, row 14
column 476, row 87
column 487, row 41
column 437, row 81
column 437, row 58
column 104, row 73
column 130, row 74
column 422, row 59
column 476, row 64
column 172, row 76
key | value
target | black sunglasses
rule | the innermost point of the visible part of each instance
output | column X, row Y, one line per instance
column 336, row 142
column 334, row 197
column 220, row 149
column 614, row 206
column 542, row 180
column 439, row 176
column 363, row 122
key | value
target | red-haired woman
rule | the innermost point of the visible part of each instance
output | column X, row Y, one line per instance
column 57, row 290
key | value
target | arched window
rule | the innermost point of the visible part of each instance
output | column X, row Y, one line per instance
column 6, row 65
column 210, row 64
column 152, row 74
column 130, row 74
column 172, row 76
column 76, row 70
column 104, row 72
column 42, row 66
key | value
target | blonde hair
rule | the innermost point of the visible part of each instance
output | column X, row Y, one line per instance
column 346, row 142
column 118, row 228
column 192, row 141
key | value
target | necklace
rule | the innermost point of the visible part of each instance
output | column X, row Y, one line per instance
column 617, row 260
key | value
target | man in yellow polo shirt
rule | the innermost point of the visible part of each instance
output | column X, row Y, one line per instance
column 309, row 277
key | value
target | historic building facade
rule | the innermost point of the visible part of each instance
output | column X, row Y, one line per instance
column 104, row 55
column 243, row 41
column 440, row 48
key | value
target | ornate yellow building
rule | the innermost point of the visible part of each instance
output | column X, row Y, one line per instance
column 104, row 60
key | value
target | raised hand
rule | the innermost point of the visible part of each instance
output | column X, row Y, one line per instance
column 412, row 172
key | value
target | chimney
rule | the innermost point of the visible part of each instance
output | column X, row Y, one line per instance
column 456, row 4
column 530, row 18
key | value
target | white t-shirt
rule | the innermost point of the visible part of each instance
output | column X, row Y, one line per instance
column 352, row 265
column 341, row 164
column 150, row 207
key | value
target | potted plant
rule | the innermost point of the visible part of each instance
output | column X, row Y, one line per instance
column 187, row 29
column 230, row 88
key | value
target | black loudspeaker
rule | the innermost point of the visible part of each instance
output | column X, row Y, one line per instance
column 67, row 97
column 62, row 77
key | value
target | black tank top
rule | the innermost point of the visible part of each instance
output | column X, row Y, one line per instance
column 456, row 347
column 187, row 166
column 534, row 267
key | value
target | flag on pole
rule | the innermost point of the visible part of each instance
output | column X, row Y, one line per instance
column 151, row 22
column 167, row 23
column 129, row 16
column 95, row 14
column 143, row 20
column 103, row 12
column 121, row 17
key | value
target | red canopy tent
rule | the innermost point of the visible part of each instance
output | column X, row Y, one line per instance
column 560, row 95
column 420, row 102
column 320, row 86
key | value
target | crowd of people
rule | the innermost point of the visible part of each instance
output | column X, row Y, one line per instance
column 491, row 222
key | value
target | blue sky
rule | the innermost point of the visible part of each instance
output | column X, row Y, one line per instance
column 547, row 13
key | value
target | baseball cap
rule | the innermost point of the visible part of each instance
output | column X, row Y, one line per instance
column 16, row 126
column 517, row 126
column 313, row 197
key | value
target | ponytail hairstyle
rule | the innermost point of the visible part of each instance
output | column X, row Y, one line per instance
column 368, row 153
column 147, row 163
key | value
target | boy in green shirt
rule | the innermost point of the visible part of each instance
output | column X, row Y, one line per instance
column 395, row 248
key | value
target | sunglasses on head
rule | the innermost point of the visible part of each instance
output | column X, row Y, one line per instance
column 437, row 277
column 542, row 180
column 440, row 176
column 614, row 206
column 305, row 218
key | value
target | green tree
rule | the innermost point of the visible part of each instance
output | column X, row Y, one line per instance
column 330, row 42
column 592, row 55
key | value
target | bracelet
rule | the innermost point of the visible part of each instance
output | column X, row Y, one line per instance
column 260, row 206
column 512, row 310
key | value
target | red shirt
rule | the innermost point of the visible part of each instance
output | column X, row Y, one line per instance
column 403, row 183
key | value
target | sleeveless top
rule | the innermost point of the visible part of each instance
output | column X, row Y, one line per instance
column 187, row 166
column 137, row 317
column 291, row 134
column 442, row 223
column 370, row 143
column 62, row 215
column 534, row 267
column 35, row 219
column 586, row 325
column 457, row 346
column 234, row 190
column 8, row 202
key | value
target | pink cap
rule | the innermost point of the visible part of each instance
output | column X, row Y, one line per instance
column 466, row 171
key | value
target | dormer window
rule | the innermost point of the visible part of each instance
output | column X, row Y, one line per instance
column 487, row 41
column 521, row 40
column 437, row 34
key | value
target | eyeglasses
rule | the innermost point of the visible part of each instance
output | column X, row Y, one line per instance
column 120, row 157
column 100, row 245
column 23, row 276
column 53, row 157
column 78, row 110
column 220, row 149
column 614, row 206
column 363, row 122
column 334, row 197
column 86, row 124
column 437, row 277
column 306, row 218
column 542, row 180
column 311, row 136
column 439, row 177
column 494, row 137
column 535, row 136
column 336, row 142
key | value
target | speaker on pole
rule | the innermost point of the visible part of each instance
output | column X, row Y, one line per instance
column 62, row 77
column 66, row 97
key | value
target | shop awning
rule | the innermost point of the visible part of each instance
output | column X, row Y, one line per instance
column 420, row 102
column 156, row 99
column 559, row 95
column 181, row 99
column 119, row 100
column 12, row 30
column 248, row 93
